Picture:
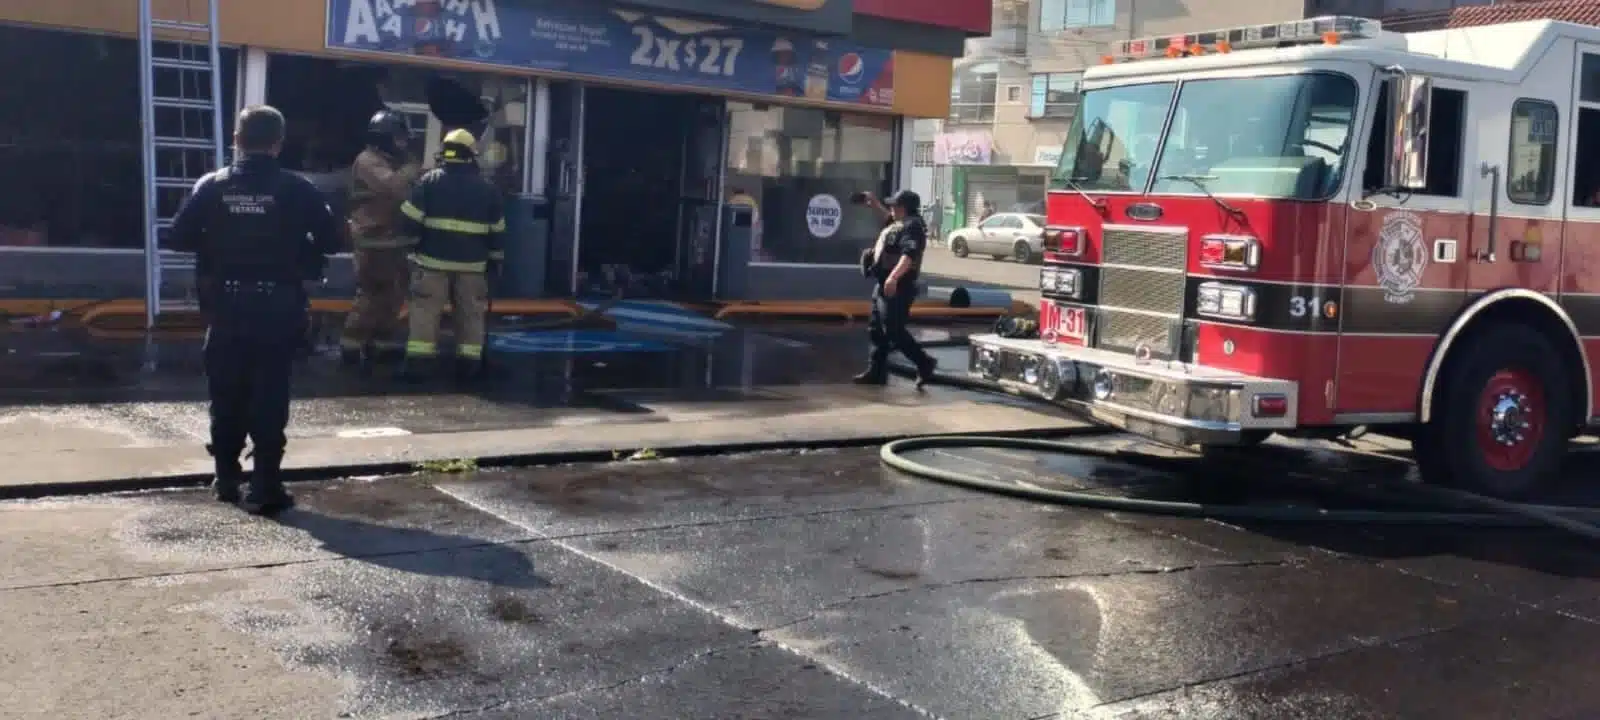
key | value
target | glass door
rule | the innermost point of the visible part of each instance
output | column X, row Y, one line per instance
column 700, row 200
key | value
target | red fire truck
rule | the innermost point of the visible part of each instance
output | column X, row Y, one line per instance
column 1318, row 227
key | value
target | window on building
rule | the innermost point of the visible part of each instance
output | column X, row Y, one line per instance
column 794, row 155
column 922, row 155
column 1013, row 93
column 1067, row 14
column 71, row 149
column 1446, row 144
column 972, row 95
column 1531, row 166
column 1055, row 95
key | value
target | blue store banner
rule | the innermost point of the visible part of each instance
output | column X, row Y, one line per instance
column 621, row 44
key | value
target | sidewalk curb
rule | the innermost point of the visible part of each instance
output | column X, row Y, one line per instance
column 526, row 460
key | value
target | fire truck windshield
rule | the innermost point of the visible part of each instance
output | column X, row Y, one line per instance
column 1281, row 136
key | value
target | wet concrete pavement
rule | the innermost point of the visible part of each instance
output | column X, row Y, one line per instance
column 785, row 585
column 85, row 408
column 109, row 392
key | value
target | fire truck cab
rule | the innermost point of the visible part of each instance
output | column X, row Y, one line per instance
column 1314, row 227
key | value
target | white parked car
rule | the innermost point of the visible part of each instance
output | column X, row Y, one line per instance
column 1019, row 236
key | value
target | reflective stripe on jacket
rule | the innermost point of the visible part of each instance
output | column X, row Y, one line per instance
column 458, row 218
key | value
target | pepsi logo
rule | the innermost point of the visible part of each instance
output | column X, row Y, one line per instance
column 423, row 27
column 851, row 67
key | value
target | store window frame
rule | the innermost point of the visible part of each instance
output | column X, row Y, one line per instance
column 1545, row 182
column 1059, row 15
column 1042, row 84
column 229, row 54
column 428, row 133
column 982, row 83
column 770, row 217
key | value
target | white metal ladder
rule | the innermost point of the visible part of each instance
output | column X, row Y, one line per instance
column 180, row 89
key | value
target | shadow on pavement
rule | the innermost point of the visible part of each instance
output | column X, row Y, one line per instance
column 416, row 551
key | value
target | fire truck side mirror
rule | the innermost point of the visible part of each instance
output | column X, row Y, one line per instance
column 1410, row 109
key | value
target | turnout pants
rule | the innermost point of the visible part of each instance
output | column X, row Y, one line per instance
column 886, row 328
column 381, row 275
column 249, row 358
column 468, row 296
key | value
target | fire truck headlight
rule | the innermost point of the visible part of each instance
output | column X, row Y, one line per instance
column 1226, row 302
column 1063, row 281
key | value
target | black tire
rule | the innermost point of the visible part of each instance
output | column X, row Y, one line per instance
column 1022, row 253
column 958, row 247
column 1458, row 447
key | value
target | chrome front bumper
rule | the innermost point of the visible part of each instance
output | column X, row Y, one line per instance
column 1173, row 403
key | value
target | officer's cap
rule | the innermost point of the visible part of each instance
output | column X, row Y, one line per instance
column 906, row 200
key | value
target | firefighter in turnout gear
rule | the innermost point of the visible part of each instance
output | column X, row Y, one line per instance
column 248, row 225
column 458, row 218
column 380, row 180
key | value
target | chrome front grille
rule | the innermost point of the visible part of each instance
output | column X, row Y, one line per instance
column 1146, row 290
column 1142, row 283
column 1166, row 249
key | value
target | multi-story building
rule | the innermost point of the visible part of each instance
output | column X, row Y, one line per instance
column 1014, row 94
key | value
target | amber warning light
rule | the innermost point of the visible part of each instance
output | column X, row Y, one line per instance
column 1327, row 30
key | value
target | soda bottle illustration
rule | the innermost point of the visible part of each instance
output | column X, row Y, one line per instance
column 818, row 71
column 427, row 27
column 790, row 76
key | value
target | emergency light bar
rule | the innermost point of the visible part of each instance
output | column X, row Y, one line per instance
column 1328, row 30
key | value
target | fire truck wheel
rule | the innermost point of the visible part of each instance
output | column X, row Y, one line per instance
column 1498, row 426
column 958, row 247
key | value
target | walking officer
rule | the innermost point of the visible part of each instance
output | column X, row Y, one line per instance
column 380, row 180
column 894, row 264
column 255, row 229
column 459, row 219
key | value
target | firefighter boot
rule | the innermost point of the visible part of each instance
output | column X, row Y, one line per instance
column 229, row 475
column 352, row 358
column 417, row 368
column 469, row 370
column 389, row 355
column 266, row 495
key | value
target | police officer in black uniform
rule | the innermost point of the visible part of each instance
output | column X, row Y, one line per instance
column 894, row 264
column 257, row 231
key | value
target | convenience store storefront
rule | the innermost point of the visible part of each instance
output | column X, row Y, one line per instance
column 695, row 159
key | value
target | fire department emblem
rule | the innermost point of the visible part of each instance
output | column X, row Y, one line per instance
column 1400, row 256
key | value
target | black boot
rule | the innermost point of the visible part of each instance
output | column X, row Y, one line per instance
column 417, row 369
column 227, row 478
column 469, row 370
column 927, row 372
column 267, row 496
column 389, row 356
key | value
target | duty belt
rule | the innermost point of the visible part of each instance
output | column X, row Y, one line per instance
column 255, row 286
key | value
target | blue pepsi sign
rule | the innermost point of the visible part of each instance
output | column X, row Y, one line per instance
column 614, row 43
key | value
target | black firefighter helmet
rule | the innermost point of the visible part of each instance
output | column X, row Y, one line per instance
column 385, row 126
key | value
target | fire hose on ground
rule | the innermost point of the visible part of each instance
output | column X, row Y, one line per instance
column 1436, row 506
